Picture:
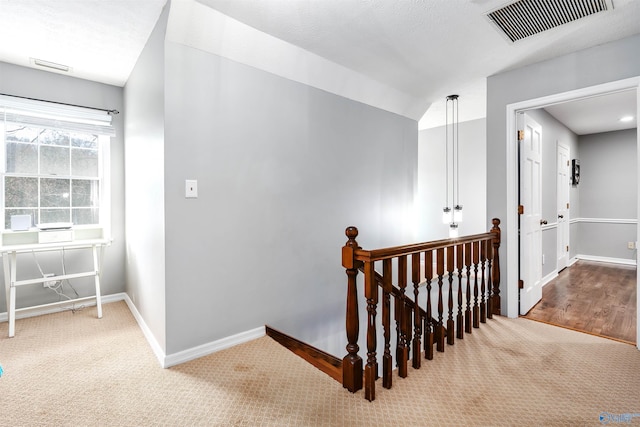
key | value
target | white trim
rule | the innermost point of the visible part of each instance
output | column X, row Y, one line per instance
column 637, row 228
column 166, row 361
column 59, row 306
column 151, row 339
column 604, row 220
column 511, row 175
column 212, row 347
column 546, row 227
column 511, row 290
column 623, row 261
column 549, row 277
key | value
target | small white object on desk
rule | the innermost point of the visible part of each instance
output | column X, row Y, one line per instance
column 20, row 222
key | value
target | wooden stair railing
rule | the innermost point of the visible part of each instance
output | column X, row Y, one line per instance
column 473, row 259
column 410, row 309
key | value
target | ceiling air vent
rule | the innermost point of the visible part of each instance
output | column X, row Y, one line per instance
column 525, row 18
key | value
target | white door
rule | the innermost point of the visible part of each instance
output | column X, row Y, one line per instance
column 531, row 218
column 564, row 182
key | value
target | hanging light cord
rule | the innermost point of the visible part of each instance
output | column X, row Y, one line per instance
column 455, row 158
column 446, row 154
column 457, row 153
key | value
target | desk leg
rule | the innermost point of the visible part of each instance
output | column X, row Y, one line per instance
column 7, row 286
column 7, row 277
column 9, row 264
column 96, row 267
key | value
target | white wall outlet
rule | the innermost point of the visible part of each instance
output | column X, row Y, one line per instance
column 191, row 189
column 49, row 283
column 631, row 245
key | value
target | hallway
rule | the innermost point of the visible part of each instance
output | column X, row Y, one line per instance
column 593, row 297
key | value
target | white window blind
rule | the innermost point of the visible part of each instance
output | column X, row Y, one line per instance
column 55, row 116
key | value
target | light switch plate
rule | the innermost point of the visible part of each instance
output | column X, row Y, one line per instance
column 191, row 189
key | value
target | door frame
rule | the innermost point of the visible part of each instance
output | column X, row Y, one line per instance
column 560, row 231
column 530, row 229
column 511, row 166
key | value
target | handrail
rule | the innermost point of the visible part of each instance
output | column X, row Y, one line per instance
column 395, row 251
column 453, row 257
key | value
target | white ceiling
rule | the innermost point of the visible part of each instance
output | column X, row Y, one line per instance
column 597, row 114
column 99, row 39
column 426, row 49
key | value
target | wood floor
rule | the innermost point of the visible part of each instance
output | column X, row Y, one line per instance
column 593, row 297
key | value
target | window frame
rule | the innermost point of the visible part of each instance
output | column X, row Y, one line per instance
column 74, row 120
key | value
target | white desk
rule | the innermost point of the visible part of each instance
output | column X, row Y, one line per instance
column 9, row 253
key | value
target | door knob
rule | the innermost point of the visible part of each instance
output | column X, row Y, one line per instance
column 560, row 216
column 543, row 222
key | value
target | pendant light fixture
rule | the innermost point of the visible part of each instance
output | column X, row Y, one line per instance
column 452, row 150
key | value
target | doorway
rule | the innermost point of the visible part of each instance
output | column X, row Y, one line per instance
column 511, row 226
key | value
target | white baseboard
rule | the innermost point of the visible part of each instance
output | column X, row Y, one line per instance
column 212, row 347
column 549, row 277
column 165, row 361
column 607, row 259
column 151, row 339
column 57, row 307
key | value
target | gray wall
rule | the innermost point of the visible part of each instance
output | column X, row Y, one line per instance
column 282, row 169
column 144, row 103
column 608, row 191
column 601, row 64
column 430, row 198
column 22, row 81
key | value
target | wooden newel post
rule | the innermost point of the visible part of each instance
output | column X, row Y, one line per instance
column 351, row 363
column 495, row 273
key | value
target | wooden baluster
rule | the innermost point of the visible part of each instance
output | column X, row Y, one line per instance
column 476, row 307
column 483, row 305
column 417, row 319
column 408, row 325
column 371, row 368
column 408, row 336
column 440, row 327
column 397, row 310
column 450, row 270
column 459, row 317
column 402, row 311
column 405, row 318
column 468, row 254
column 495, row 274
column 387, row 360
column 428, row 323
column 352, row 362
column 489, row 244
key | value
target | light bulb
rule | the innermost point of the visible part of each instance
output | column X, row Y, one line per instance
column 453, row 230
column 446, row 215
column 457, row 213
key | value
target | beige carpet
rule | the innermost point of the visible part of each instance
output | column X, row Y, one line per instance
column 74, row 369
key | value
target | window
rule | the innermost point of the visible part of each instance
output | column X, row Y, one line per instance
column 55, row 163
